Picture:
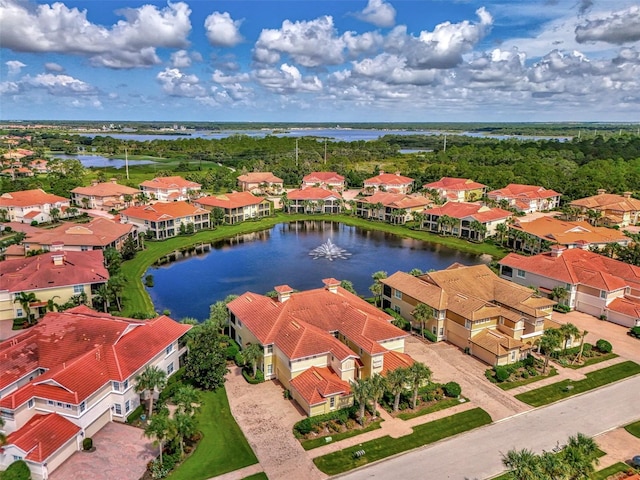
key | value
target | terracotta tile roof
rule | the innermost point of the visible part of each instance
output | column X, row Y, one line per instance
column 32, row 214
column 608, row 201
column 576, row 266
column 81, row 350
column 323, row 177
column 388, row 179
column 627, row 306
column 170, row 183
column 313, row 193
column 516, row 190
column 461, row 210
column 99, row 232
column 496, row 342
column 397, row 200
column 423, row 291
column 259, row 177
column 105, row 189
column 569, row 233
column 230, row 200
column 394, row 360
column 42, row 436
column 163, row 211
column 28, row 198
column 316, row 384
column 40, row 271
column 455, row 184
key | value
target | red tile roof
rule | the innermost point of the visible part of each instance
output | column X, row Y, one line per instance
column 397, row 200
column 169, row 183
column 39, row 272
column 451, row 183
column 394, row 360
column 42, row 436
column 627, row 306
column 516, row 190
column 578, row 266
column 230, row 200
column 259, row 177
column 28, row 198
column 81, row 350
column 163, row 211
column 99, row 232
column 323, row 177
column 475, row 211
column 105, row 189
column 313, row 193
column 316, row 384
column 608, row 201
column 569, row 233
column 388, row 179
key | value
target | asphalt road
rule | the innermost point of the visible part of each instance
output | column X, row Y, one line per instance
column 477, row 454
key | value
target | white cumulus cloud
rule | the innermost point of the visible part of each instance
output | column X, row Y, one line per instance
column 287, row 79
column 618, row 28
column 222, row 30
column 14, row 66
column 178, row 84
column 53, row 67
column 379, row 13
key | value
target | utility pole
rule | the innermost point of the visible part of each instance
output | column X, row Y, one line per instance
column 296, row 152
column 325, row 151
column 445, row 142
column 126, row 162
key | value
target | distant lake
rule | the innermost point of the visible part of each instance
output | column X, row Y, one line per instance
column 99, row 161
column 260, row 261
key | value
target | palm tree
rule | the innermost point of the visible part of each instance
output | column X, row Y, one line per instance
column 55, row 214
column 186, row 399
column 185, row 426
column 549, row 342
column 479, row 228
column 376, row 288
column 161, row 428
column 150, row 379
column 101, row 296
column 116, row 285
column 419, row 218
column 128, row 198
column 378, row 206
column 422, row 313
column 568, row 331
column 52, row 306
column 560, row 293
column 251, row 354
column 376, row 390
column 397, row 383
column 419, row 374
column 502, row 229
column 579, row 355
column 71, row 212
column 4, row 215
column 219, row 316
column 523, row 464
column 25, row 300
column 416, row 272
column 581, row 456
column 361, row 394
column 552, row 466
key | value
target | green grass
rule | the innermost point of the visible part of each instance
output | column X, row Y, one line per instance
column 342, row 461
column 436, row 407
column 336, row 437
column 223, row 447
column 558, row 391
column 633, row 429
column 607, row 472
column 257, row 476
column 503, row 476
column 136, row 299
column 593, row 361
column 526, row 381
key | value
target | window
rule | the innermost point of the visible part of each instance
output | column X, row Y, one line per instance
column 78, row 289
column 84, row 248
column 332, row 403
column 125, row 385
column 30, row 403
column 127, row 406
column 521, row 273
column 51, row 402
column 513, row 355
column 397, row 294
column 170, row 368
column 269, row 348
column 467, row 324
column 441, row 331
column 433, row 329
column 270, row 369
column 239, row 324
column 396, row 308
column 115, row 386
column 169, row 349
column 68, row 406
column 83, row 407
column 19, row 312
column 117, row 409
column 59, row 404
column 16, row 458
column 603, row 294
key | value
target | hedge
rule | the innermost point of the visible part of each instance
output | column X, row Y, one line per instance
column 307, row 425
column 247, row 373
column 18, row 470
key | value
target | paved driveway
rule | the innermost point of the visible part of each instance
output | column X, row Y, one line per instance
column 122, row 452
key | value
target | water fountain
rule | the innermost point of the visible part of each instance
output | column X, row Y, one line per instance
column 329, row 251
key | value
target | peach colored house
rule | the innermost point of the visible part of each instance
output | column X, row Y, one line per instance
column 526, row 198
column 388, row 182
column 452, row 189
column 328, row 180
column 261, row 183
column 464, row 215
column 104, row 196
column 164, row 220
column 170, row 189
column 67, row 377
column 395, row 208
column 316, row 341
column 27, row 205
column 313, row 200
column 621, row 210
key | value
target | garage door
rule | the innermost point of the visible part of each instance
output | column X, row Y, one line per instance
column 457, row 340
column 587, row 308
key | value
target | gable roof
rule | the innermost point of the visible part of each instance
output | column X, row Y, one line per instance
column 230, row 200
column 478, row 212
column 608, row 201
column 41, row 271
column 397, row 200
column 99, row 232
column 169, row 183
column 519, row 191
column 27, row 198
column 569, row 233
column 259, row 177
column 418, row 288
column 496, row 342
column 313, row 193
column 163, row 211
column 105, row 189
column 316, row 384
column 42, row 436
column 456, row 184
column 626, row 305
column 388, row 179
column 323, row 177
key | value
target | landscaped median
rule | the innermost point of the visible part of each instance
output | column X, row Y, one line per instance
column 567, row 388
column 378, row 449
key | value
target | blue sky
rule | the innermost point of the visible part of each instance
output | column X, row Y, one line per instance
column 321, row 61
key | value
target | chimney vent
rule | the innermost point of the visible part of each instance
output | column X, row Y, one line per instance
column 284, row 292
column 601, row 191
column 557, row 250
column 626, row 194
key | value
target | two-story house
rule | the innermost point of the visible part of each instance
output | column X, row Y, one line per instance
column 465, row 220
column 312, row 200
column 388, row 182
column 328, row 180
column 265, row 183
column 104, row 195
column 165, row 220
column 452, row 189
column 526, row 198
column 67, row 377
column 396, row 208
column 237, row 206
column 29, row 205
column 323, row 337
column 621, row 210
column 170, row 189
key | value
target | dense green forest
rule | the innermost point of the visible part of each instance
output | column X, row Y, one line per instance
column 576, row 168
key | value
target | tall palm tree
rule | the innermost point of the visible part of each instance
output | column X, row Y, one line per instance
column 376, row 288
column 415, row 272
column 568, row 331
column 52, row 306
column 377, row 388
column 361, row 394
column 419, row 374
column 502, row 229
column 161, row 428
column 581, row 456
column 523, row 464
column 559, row 293
column 397, row 383
column 552, row 466
column 186, row 399
column 185, row 426
column 479, row 228
column 251, row 354
column 150, row 379
column 55, row 214
column 25, row 300
column 101, row 296
column 422, row 314
column 579, row 355
column 549, row 342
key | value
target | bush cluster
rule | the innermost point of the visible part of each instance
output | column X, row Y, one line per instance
column 635, row 332
column 559, row 307
column 502, row 373
column 87, row 443
column 308, row 425
column 247, row 373
column 603, row 346
column 452, row 389
column 398, row 320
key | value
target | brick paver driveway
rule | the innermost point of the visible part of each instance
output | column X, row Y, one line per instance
column 122, row 452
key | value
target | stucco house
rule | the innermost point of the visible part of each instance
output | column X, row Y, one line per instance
column 164, row 220
column 104, row 195
column 316, row 341
column 621, row 210
column 56, row 276
column 28, row 205
column 265, row 183
column 594, row 284
column 474, row 309
column 313, row 200
column 388, row 182
column 237, row 206
column 170, row 189
column 463, row 220
column 526, row 198
column 452, row 189
column 328, row 180
column 396, row 208
column 67, row 377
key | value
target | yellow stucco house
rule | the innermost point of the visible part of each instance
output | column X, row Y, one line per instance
column 315, row 342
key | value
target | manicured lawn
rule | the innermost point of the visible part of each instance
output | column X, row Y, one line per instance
column 558, row 391
column 526, row 381
column 633, row 429
column 607, row 472
column 441, row 405
column 223, row 447
column 257, row 476
column 594, row 360
column 135, row 298
column 320, row 441
column 503, row 476
column 386, row 446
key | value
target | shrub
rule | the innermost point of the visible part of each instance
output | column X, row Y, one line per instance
column 148, row 281
column 135, row 415
column 430, row 336
column 452, row 389
column 34, row 223
column 239, row 359
column 635, row 332
column 87, row 443
column 247, row 373
column 562, row 308
column 604, row 346
column 502, row 373
column 530, row 361
column 304, row 427
column 341, row 416
column 398, row 320
column 18, row 470
column 232, row 349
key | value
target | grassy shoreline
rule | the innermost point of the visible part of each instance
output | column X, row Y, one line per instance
column 136, row 299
